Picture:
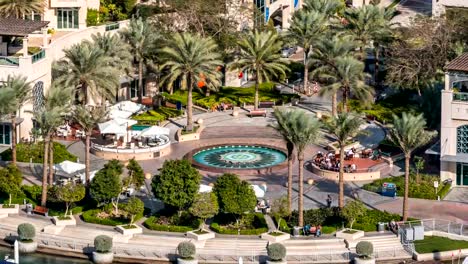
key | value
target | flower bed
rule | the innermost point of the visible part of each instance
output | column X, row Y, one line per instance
column 152, row 117
column 255, row 224
column 95, row 216
column 158, row 224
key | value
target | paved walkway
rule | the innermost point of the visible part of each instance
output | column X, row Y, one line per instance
column 457, row 194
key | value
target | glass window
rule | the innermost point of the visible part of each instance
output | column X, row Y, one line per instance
column 462, row 139
column 76, row 18
column 67, row 18
column 462, row 174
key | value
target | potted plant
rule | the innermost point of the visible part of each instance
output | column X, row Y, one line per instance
column 103, row 250
column 26, row 233
column 187, row 253
column 364, row 250
column 133, row 208
column 276, row 253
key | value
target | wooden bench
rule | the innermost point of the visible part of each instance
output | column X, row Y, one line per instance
column 253, row 113
column 266, row 104
column 41, row 210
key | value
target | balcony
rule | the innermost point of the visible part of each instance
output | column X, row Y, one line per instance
column 460, row 97
column 9, row 61
column 459, row 106
column 67, row 3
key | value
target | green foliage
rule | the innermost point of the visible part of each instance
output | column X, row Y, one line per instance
column 177, row 184
column 153, row 223
column 95, row 216
column 280, row 206
column 10, row 181
column 248, row 224
column 186, row 250
column 444, row 190
column 229, row 231
column 32, row 192
column 136, row 176
column 369, row 221
column 364, row 249
column 134, row 207
column 352, row 211
column 92, row 17
column 234, row 196
column 70, row 193
column 433, row 244
column 153, row 117
column 205, row 205
column 103, row 244
column 276, row 251
column 26, row 151
column 26, row 232
column 106, row 184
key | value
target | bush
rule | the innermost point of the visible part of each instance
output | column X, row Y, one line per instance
column 103, row 244
column 186, row 250
column 276, row 252
column 153, row 117
column 364, row 249
column 92, row 17
column 151, row 223
column 26, row 232
column 423, row 190
column 91, row 216
column 26, row 151
column 444, row 190
column 252, row 224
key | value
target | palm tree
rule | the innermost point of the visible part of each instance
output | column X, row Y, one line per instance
column 348, row 77
column 88, row 118
column 306, row 29
column 283, row 117
column 22, row 93
column 143, row 39
column 191, row 58
column 325, row 56
column 20, row 8
column 304, row 131
column 408, row 133
column 260, row 54
column 86, row 67
column 114, row 48
column 329, row 8
column 342, row 127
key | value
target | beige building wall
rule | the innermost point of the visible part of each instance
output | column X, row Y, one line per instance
column 438, row 6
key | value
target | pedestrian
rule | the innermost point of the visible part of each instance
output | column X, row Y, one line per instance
column 329, row 201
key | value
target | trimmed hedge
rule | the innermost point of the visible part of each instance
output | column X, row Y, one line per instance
column 90, row 216
column 444, row 190
column 152, row 117
column 258, row 223
column 150, row 223
column 26, row 151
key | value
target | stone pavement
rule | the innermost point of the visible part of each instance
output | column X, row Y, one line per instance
column 457, row 194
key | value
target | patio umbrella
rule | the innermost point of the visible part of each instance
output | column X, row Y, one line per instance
column 125, row 121
column 205, row 188
column 69, row 167
column 115, row 113
column 91, row 175
column 259, row 191
column 112, row 127
column 154, row 131
column 127, row 106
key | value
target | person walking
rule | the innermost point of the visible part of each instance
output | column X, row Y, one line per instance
column 329, row 201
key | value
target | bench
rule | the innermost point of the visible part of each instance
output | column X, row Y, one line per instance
column 253, row 113
column 266, row 104
column 41, row 210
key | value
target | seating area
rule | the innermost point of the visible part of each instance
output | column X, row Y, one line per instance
column 353, row 161
column 41, row 210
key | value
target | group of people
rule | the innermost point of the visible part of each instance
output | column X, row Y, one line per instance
column 312, row 230
column 332, row 163
column 220, row 107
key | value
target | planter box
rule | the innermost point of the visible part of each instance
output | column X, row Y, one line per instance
column 187, row 261
column 358, row 260
column 65, row 222
column 276, row 239
column 129, row 231
column 189, row 137
column 200, row 237
column 103, row 258
column 7, row 211
column 27, row 247
column 350, row 236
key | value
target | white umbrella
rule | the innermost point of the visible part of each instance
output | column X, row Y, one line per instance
column 125, row 121
column 112, row 127
column 205, row 188
column 127, row 106
column 154, row 130
column 91, row 175
column 259, row 191
column 115, row 113
column 69, row 167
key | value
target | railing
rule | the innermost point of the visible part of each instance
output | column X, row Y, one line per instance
column 9, row 61
column 38, row 56
column 445, row 226
column 112, row 26
column 461, row 97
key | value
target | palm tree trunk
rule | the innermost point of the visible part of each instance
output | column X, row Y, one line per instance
column 13, row 139
column 345, row 100
column 290, row 148
column 341, row 179
column 334, row 103
column 87, row 158
column 51, row 162
column 84, row 87
column 306, row 72
column 376, row 63
column 44, row 171
column 189, row 105
column 140, row 81
column 405, row 197
column 257, row 83
column 300, row 157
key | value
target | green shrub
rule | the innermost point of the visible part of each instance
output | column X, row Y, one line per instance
column 364, row 249
column 103, row 244
column 152, row 117
column 26, row 232
column 253, row 224
column 26, row 151
column 186, row 250
column 444, row 190
column 151, row 223
column 423, row 190
column 369, row 221
column 90, row 216
column 276, row 252
column 92, row 17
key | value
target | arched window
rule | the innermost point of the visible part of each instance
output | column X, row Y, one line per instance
column 462, row 139
column 38, row 96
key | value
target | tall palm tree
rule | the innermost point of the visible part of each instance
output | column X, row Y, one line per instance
column 22, row 93
column 143, row 39
column 408, row 133
column 20, row 8
column 304, row 131
column 349, row 78
column 115, row 48
column 306, row 29
column 191, row 58
column 283, row 117
column 324, row 58
column 88, row 118
column 329, row 8
column 260, row 54
column 342, row 127
column 86, row 67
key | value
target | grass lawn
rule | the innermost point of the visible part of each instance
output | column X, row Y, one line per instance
column 438, row 244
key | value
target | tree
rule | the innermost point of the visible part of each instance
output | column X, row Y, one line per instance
column 134, row 207
column 142, row 38
column 408, row 133
column 114, row 48
column 20, row 8
column 106, row 185
column 136, row 177
column 419, row 165
column 259, row 53
column 10, row 181
column 87, row 68
column 342, row 127
column 205, row 205
column 192, row 59
column 352, row 211
column 177, row 184
column 330, row 8
column 70, row 193
column 234, row 196
column 280, row 207
column 22, row 93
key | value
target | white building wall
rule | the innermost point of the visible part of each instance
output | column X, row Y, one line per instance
column 438, row 6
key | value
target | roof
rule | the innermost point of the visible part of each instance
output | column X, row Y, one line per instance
column 19, row 27
column 458, row 64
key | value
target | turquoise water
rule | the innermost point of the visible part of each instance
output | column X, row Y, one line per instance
column 41, row 258
column 139, row 127
column 239, row 157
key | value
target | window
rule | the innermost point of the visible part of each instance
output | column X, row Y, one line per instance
column 67, row 18
column 462, row 139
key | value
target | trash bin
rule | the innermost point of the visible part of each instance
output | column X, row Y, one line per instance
column 29, row 208
column 296, row 231
column 381, row 227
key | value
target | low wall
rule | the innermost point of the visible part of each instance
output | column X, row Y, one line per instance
column 189, row 137
column 127, row 154
column 444, row 255
column 355, row 176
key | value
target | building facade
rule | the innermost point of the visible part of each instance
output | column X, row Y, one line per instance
column 439, row 6
column 454, row 123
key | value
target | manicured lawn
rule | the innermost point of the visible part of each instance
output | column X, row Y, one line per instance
column 438, row 244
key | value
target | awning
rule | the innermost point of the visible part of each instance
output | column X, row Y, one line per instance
column 69, row 167
column 154, row 131
column 461, row 157
column 112, row 127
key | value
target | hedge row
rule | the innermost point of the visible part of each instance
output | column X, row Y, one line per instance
column 220, row 230
column 150, row 223
column 90, row 216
